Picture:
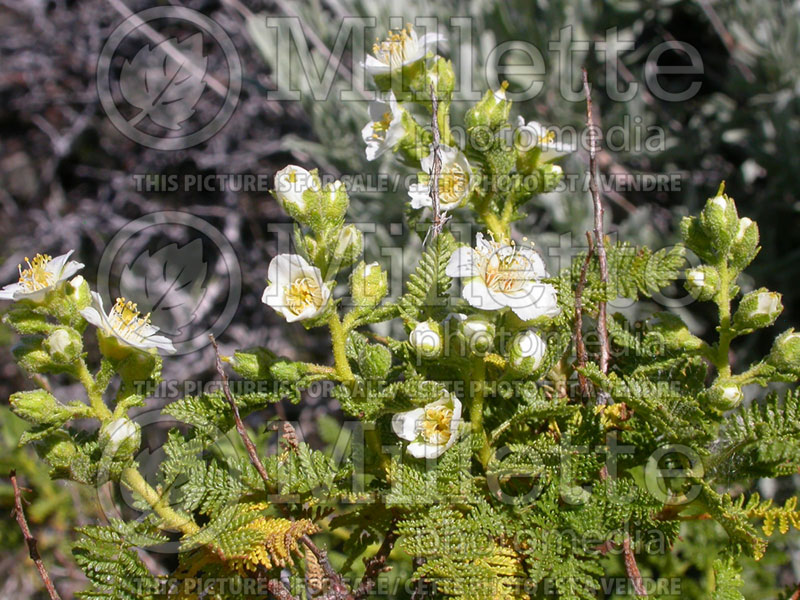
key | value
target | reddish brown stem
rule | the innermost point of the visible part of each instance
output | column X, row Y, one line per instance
column 377, row 564
column 599, row 235
column 580, row 346
column 632, row 568
column 30, row 541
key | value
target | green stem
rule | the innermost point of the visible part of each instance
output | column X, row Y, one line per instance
column 93, row 392
column 172, row 520
column 725, row 333
column 338, row 340
column 477, row 380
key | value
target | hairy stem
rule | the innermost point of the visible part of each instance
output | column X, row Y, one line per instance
column 134, row 480
column 338, row 340
column 723, row 300
column 93, row 392
column 477, row 381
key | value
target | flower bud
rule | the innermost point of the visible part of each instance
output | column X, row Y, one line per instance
column 120, row 438
column 526, row 352
column 745, row 244
column 491, row 111
column 59, row 451
column 368, row 284
column 441, row 76
column 78, row 291
column 295, row 190
column 674, row 333
column 426, row 339
column 702, row 282
column 550, row 175
column 479, row 332
column 720, row 221
column 725, row 397
column 253, row 363
column 64, row 345
column 349, row 246
column 376, row 360
column 757, row 309
column 39, row 407
column 335, row 200
column 785, row 353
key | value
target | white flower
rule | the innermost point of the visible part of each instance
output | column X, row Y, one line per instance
column 431, row 429
column 127, row 324
column 501, row 275
column 290, row 183
column 426, row 339
column 399, row 49
column 43, row 274
column 732, row 394
column 120, row 434
column 744, row 223
column 455, row 180
column 769, row 303
column 535, row 135
column 385, row 128
column 527, row 348
column 296, row 289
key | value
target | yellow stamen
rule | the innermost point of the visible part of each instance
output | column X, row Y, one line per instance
column 453, row 184
column 302, row 293
column 436, row 425
column 36, row 276
column 394, row 50
column 126, row 319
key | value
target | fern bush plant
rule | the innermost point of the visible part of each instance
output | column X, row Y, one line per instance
column 520, row 442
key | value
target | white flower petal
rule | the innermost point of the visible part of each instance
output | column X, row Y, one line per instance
column 8, row 292
column 541, row 300
column 478, row 295
column 406, row 424
column 462, row 263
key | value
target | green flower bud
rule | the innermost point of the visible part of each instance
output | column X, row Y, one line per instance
column 526, row 352
column 479, row 333
column 334, row 200
column 674, row 333
column 39, row 407
column 369, row 284
column 551, row 175
column 442, row 77
column 426, row 339
column 785, row 353
column 702, row 282
column 745, row 244
column 376, row 360
column 253, row 363
column 758, row 309
column 64, row 345
column 297, row 191
column 285, row 371
column 349, row 246
column 120, row 438
column 696, row 239
column 491, row 111
column 720, row 221
column 725, row 396
column 31, row 357
column 78, row 291
column 59, row 451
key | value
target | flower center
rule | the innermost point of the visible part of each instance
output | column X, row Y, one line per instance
column 547, row 137
column 126, row 319
column 380, row 128
column 507, row 273
column 302, row 293
column 453, row 184
column 396, row 48
column 436, row 425
column 36, row 276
